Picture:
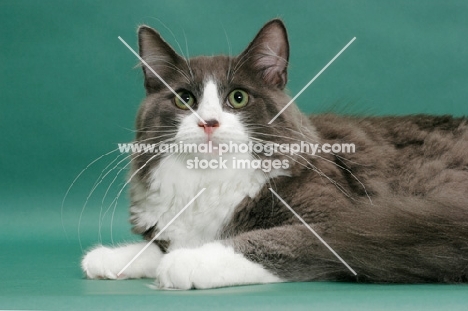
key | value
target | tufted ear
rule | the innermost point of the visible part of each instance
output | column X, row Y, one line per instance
column 268, row 53
column 159, row 55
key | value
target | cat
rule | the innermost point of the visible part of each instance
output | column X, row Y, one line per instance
column 395, row 210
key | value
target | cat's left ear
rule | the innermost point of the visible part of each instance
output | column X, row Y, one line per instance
column 268, row 53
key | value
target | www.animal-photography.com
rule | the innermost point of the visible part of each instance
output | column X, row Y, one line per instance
column 247, row 155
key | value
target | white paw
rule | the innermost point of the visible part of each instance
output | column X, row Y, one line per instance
column 209, row 266
column 99, row 263
column 105, row 263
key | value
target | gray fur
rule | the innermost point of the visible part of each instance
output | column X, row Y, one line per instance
column 396, row 210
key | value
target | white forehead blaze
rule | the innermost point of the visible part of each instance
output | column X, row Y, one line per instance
column 210, row 105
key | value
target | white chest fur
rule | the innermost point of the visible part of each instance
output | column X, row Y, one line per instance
column 173, row 186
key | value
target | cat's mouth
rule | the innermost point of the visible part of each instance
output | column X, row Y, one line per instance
column 209, row 139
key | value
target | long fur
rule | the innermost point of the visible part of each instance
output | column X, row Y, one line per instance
column 396, row 209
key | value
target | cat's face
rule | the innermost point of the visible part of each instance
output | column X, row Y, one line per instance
column 233, row 98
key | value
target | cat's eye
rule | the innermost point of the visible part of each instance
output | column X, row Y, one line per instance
column 238, row 98
column 187, row 97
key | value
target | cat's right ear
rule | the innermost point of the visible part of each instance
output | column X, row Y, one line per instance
column 158, row 54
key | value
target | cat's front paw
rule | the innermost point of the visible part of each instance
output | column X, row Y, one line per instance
column 183, row 269
column 211, row 265
column 99, row 263
column 105, row 262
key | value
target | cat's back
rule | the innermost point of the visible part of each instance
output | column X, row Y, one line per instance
column 413, row 155
column 401, row 131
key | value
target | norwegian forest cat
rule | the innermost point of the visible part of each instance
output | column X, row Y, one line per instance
column 395, row 210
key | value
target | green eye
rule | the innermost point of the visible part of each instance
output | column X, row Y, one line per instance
column 187, row 97
column 238, row 98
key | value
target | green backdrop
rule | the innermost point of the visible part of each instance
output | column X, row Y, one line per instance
column 69, row 91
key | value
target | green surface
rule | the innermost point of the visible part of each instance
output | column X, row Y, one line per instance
column 69, row 92
column 44, row 276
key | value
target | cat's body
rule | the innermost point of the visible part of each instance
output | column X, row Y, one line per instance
column 396, row 210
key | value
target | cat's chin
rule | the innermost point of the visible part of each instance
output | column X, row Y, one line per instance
column 216, row 155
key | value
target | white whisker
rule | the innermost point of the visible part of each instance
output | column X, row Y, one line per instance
column 73, row 183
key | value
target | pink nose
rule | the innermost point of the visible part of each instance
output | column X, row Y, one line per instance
column 209, row 126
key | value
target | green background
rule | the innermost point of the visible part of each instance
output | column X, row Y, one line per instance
column 69, row 91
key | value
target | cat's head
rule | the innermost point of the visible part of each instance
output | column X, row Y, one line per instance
column 221, row 99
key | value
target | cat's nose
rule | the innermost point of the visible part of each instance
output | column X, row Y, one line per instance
column 209, row 126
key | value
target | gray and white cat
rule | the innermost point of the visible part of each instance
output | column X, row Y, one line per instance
column 396, row 210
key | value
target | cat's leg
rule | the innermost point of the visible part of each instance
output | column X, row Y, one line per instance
column 215, row 264
column 105, row 262
column 288, row 253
